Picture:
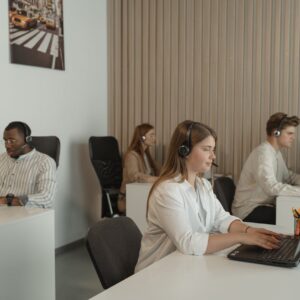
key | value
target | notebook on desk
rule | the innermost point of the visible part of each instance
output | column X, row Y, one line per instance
column 288, row 255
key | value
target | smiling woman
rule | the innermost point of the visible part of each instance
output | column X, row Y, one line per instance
column 183, row 212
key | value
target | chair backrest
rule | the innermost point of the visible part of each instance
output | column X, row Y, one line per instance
column 49, row 145
column 114, row 245
column 224, row 189
column 106, row 160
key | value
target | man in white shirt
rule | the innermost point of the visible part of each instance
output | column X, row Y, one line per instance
column 27, row 177
column 265, row 174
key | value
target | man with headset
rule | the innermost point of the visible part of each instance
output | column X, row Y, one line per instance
column 27, row 177
column 265, row 174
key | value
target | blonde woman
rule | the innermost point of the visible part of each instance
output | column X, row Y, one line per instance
column 183, row 212
column 139, row 166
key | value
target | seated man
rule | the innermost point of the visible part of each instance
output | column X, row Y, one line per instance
column 27, row 177
column 265, row 174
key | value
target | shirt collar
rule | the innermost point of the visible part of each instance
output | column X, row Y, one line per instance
column 185, row 184
column 271, row 147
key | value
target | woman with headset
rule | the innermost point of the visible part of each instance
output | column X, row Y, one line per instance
column 139, row 166
column 183, row 212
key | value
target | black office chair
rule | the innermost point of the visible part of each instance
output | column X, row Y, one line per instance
column 49, row 145
column 114, row 245
column 107, row 163
column 224, row 188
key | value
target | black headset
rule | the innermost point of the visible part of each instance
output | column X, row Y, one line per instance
column 277, row 131
column 27, row 133
column 185, row 149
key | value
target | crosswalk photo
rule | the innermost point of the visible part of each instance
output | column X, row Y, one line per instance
column 36, row 33
column 36, row 47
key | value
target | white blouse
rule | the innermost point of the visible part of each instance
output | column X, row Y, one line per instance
column 181, row 217
column 264, row 176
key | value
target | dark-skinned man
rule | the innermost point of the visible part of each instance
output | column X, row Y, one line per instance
column 27, row 176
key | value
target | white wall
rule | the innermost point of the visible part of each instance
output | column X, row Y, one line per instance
column 71, row 104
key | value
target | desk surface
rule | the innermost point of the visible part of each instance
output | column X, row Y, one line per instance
column 212, row 277
column 19, row 213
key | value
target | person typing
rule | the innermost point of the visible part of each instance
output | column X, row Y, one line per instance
column 183, row 212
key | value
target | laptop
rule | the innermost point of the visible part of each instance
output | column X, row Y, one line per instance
column 288, row 255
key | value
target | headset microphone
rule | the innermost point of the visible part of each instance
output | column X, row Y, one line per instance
column 214, row 164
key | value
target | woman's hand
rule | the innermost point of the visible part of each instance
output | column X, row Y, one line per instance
column 261, row 237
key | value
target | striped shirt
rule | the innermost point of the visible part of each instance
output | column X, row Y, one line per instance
column 31, row 176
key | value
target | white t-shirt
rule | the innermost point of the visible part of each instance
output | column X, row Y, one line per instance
column 264, row 176
column 181, row 217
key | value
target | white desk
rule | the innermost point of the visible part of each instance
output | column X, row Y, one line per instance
column 136, row 203
column 284, row 215
column 27, row 254
column 212, row 277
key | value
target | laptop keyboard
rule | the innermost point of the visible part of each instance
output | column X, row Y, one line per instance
column 288, row 250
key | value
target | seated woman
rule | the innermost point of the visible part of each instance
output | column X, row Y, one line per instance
column 183, row 212
column 139, row 165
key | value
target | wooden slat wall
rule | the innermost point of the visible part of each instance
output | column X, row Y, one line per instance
column 227, row 63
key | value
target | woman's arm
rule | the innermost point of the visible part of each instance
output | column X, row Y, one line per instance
column 240, row 233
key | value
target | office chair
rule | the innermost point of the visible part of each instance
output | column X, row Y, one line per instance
column 107, row 163
column 49, row 145
column 224, row 188
column 113, row 245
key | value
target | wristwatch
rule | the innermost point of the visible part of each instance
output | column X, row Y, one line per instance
column 9, row 198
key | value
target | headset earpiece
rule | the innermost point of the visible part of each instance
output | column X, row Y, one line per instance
column 185, row 149
column 143, row 137
column 277, row 133
column 28, row 139
column 27, row 133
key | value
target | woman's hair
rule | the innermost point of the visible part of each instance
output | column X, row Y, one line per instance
column 136, row 144
column 279, row 121
column 187, row 133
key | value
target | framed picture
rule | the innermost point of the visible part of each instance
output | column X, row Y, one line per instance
column 36, row 33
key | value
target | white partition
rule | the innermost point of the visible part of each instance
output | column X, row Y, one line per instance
column 27, row 260
column 136, row 203
column 284, row 215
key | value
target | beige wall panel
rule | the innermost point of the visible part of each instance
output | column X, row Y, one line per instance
column 167, row 112
column 227, row 63
column 137, row 62
column 198, row 61
column 219, row 109
column 159, row 77
column 190, row 49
